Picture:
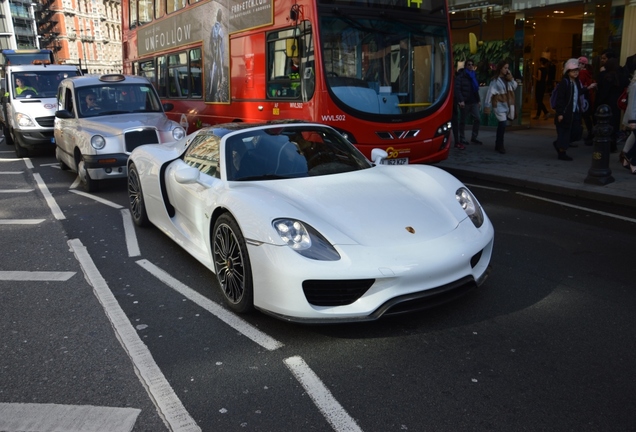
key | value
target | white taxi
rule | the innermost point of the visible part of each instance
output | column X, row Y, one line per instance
column 101, row 119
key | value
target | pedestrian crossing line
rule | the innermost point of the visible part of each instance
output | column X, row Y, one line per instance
column 35, row 276
column 21, row 221
column 98, row 199
column 55, row 209
column 161, row 393
column 68, row 418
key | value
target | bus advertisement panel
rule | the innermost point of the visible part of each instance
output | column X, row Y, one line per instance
column 379, row 71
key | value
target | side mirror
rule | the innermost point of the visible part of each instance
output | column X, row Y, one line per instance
column 168, row 106
column 378, row 155
column 186, row 174
column 64, row 114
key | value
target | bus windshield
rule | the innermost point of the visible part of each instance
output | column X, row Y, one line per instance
column 383, row 66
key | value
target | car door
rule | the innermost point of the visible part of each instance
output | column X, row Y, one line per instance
column 193, row 195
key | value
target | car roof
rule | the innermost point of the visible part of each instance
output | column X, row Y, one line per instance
column 93, row 80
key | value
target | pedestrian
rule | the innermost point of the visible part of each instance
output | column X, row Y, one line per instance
column 468, row 101
column 570, row 104
column 540, row 86
column 628, row 155
column 500, row 99
column 585, row 77
column 611, row 84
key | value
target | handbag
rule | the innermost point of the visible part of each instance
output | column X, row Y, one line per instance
column 622, row 100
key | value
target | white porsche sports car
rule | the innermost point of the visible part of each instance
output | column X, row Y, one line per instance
column 296, row 222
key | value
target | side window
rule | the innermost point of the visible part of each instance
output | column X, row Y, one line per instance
column 283, row 68
column 196, row 85
column 178, row 75
column 161, row 76
column 68, row 101
column 203, row 154
column 160, row 8
column 147, row 69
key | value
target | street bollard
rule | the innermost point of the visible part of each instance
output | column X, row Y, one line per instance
column 600, row 173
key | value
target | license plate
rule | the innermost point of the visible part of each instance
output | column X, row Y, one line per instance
column 398, row 161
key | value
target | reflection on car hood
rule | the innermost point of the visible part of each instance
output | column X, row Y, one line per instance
column 374, row 207
column 117, row 124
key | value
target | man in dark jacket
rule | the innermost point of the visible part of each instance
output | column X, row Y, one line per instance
column 467, row 99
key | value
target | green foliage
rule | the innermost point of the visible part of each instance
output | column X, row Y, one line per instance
column 487, row 56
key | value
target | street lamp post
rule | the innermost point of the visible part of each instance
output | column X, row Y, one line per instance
column 83, row 50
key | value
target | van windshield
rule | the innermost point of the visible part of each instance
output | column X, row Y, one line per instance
column 39, row 84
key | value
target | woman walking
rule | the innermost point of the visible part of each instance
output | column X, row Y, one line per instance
column 569, row 108
column 501, row 100
column 628, row 155
column 540, row 87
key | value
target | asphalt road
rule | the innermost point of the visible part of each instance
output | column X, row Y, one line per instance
column 546, row 344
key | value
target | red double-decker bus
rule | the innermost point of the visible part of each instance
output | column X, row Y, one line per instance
column 379, row 71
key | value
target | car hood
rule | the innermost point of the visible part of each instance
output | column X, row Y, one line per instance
column 113, row 125
column 374, row 207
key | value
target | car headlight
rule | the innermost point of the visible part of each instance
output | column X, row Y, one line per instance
column 98, row 142
column 178, row 133
column 305, row 240
column 470, row 205
column 24, row 120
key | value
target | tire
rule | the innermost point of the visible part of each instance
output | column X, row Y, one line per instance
column 89, row 184
column 232, row 264
column 136, row 198
column 20, row 151
column 63, row 166
column 7, row 136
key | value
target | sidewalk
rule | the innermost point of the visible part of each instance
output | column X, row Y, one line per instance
column 531, row 162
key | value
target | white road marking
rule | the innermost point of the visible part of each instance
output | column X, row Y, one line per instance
column 21, row 221
column 55, row 209
column 35, row 276
column 337, row 417
column 579, row 207
column 76, row 183
column 54, row 164
column 221, row 313
column 98, row 199
column 11, row 172
column 485, row 187
column 28, row 163
column 129, row 231
column 68, row 418
column 162, row 395
column 16, row 190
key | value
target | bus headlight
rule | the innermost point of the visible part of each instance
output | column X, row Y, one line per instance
column 443, row 129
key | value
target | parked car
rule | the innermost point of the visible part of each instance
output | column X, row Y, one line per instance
column 101, row 119
column 296, row 222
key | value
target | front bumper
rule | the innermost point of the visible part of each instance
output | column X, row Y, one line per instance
column 106, row 166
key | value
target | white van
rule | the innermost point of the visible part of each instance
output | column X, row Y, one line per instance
column 29, row 102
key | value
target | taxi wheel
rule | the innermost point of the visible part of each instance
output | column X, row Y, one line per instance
column 90, row 185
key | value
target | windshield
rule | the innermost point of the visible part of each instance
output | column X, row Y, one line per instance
column 108, row 99
column 290, row 152
column 384, row 66
column 40, row 84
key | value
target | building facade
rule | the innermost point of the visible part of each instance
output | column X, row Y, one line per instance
column 83, row 32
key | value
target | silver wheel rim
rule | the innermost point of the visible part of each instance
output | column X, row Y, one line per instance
column 134, row 194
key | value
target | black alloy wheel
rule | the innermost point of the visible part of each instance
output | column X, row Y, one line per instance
column 136, row 198
column 232, row 264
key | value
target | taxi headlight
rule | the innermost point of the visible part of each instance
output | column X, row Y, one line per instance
column 178, row 133
column 470, row 205
column 98, row 142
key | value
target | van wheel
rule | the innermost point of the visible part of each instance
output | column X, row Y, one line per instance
column 20, row 151
column 90, row 185
column 7, row 136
